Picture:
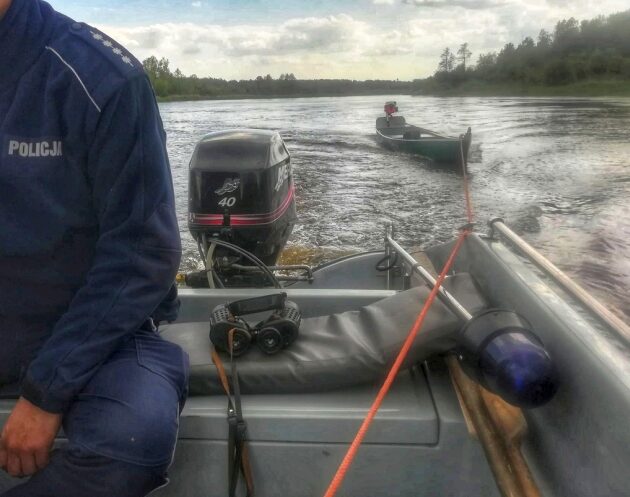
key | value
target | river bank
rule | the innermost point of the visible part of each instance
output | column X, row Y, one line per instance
column 590, row 88
column 596, row 88
column 194, row 98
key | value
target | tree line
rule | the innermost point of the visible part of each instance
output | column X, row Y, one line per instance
column 168, row 83
column 576, row 51
column 590, row 50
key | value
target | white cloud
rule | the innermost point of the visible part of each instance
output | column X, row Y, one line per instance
column 215, row 49
column 196, row 4
column 466, row 4
column 404, row 46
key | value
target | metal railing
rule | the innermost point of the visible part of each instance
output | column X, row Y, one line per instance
column 446, row 298
column 575, row 290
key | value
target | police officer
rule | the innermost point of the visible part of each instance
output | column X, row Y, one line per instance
column 89, row 248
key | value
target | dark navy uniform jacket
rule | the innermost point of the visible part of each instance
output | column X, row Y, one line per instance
column 89, row 242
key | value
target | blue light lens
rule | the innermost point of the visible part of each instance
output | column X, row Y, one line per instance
column 517, row 367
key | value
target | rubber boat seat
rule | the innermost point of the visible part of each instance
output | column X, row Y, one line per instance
column 334, row 351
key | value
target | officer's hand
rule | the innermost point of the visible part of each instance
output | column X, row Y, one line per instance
column 27, row 438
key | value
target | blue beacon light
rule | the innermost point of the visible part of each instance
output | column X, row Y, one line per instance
column 498, row 350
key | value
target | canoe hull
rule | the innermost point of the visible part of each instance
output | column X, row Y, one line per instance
column 435, row 149
column 397, row 135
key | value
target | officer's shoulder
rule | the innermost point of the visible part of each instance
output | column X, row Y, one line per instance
column 100, row 63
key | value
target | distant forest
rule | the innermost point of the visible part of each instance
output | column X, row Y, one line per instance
column 575, row 52
column 588, row 53
column 169, row 83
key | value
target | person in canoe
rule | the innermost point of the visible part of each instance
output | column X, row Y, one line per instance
column 89, row 249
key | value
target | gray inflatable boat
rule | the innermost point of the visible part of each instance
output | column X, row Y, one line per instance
column 438, row 432
column 424, row 441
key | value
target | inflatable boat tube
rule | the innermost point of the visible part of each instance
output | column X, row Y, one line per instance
column 334, row 351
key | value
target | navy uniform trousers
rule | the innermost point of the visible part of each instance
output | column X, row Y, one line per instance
column 121, row 429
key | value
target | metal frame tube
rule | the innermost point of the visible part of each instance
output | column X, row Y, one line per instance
column 389, row 232
column 562, row 279
column 446, row 298
column 504, row 457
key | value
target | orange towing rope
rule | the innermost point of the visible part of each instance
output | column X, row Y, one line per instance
column 337, row 480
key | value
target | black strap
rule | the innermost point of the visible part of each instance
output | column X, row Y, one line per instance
column 275, row 301
column 238, row 457
column 393, row 257
column 236, row 437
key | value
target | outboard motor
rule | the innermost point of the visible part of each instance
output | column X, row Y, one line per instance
column 241, row 192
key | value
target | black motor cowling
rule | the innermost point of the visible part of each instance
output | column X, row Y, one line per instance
column 241, row 191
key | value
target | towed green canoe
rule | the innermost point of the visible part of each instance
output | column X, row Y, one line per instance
column 394, row 133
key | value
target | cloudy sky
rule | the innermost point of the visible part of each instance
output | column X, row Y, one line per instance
column 359, row 39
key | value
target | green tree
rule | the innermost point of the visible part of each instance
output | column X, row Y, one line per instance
column 447, row 61
column 151, row 68
column 567, row 34
column 163, row 70
column 486, row 65
column 544, row 39
column 558, row 72
column 527, row 44
column 463, row 54
column 598, row 63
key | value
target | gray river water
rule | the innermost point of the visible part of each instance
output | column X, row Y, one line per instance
column 557, row 170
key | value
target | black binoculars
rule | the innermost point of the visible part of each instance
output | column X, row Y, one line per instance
column 228, row 330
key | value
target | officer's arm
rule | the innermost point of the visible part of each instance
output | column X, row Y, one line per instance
column 137, row 253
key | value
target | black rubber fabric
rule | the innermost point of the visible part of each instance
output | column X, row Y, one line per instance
column 333, row 351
